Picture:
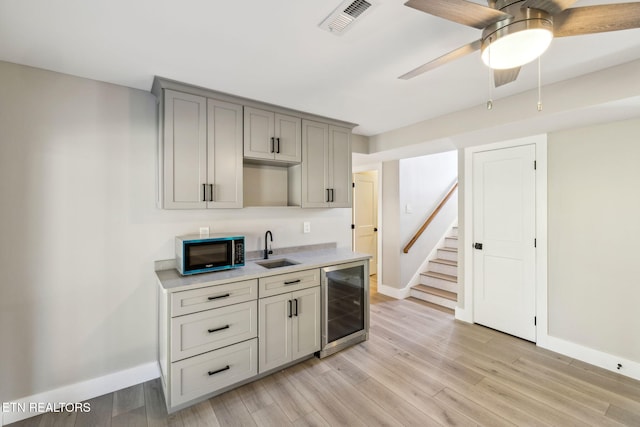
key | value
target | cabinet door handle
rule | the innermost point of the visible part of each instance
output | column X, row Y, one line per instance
column 218, row 297
column 278, row 149
column 218, row 329
column 273, row 141
column 296, row 301
column 290, row 312
column 204, row 192
column 328, row 198
column 291, row 282
column 211, row 192
column 332, row 200
column 218, row 370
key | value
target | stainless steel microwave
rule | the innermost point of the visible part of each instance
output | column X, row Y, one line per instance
column 196, row 254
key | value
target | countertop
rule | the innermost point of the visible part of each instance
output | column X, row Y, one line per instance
column 172, row 281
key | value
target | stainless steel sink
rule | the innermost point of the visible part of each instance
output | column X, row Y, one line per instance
column 276, row 263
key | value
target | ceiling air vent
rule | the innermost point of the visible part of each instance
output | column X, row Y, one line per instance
column 343, row 17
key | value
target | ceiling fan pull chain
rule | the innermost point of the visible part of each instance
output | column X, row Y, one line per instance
column 490, row 101
column 539, row 87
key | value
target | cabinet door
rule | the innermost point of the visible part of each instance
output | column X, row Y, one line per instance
column 258, row 134
column 289, row 134
column 339, row 171
column 224, row 158
column 305, row 327
column 274, row 332
column 315, row 158
column 185, row 150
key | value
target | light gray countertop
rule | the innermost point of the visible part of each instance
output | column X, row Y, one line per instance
column 171, row 281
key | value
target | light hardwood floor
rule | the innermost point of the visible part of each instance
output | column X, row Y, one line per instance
column 420, row 367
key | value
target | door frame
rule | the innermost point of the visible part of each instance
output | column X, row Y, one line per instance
column 378, row 168
column 464, row 311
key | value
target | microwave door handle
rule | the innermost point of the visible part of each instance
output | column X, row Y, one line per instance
column 233, row 252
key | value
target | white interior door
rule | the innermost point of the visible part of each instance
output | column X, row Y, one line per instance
column 365, row 216
column 504, row 231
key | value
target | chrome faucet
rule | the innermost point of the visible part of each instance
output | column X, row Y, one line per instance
column 267, row 251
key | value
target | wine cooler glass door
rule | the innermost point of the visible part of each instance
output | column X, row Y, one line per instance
column 346, row 302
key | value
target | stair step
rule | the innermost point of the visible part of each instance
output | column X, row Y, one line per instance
column 447, row 277
column 443, row 266
column 434, row 296
column 451, row 296
column 450, row 254
column 445, row 261
column 451, row 241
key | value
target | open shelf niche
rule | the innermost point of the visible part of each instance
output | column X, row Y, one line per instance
column 272, row 185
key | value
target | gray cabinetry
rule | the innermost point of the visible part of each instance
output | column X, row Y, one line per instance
column 271, row 136
column 201, row 152
column 207, row 340
column 289, row 321
column 326, row 165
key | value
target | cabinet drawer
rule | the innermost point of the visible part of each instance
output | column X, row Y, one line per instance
column 191, row 301
column 209, row 330
column 200, row 375
column 289, row 282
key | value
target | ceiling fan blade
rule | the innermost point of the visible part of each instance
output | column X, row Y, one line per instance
column 502, row 77
column 551, row 6
column 448, row 57
column 596, row 19
column 460, row 11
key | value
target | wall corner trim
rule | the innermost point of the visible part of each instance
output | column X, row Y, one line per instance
column 85, row 390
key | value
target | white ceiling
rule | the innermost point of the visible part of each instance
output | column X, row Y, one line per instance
column 274, row 51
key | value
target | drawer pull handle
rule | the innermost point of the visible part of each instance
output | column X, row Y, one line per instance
column 292, row 282
column 218, row 329
column 219, row 296
column 219, row 370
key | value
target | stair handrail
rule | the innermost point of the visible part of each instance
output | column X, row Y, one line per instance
column 424, row 226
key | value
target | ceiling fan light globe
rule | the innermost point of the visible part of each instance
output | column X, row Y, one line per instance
column 516, row 49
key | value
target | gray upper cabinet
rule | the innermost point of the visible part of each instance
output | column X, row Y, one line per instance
column 326, row 165
column 271, row 136
column 201, row 152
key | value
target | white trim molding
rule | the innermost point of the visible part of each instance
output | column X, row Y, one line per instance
column 397, row 293
column 598, row 358
column 78, row 392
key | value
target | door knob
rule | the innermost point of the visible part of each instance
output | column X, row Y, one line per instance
column 477, row 246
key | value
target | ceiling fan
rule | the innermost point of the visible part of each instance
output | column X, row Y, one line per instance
column 516, row 32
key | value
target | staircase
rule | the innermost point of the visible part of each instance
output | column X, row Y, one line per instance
column 439, row 285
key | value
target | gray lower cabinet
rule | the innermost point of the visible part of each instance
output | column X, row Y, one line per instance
column 207, row 340
column 200, row 152
column 288, row 318
column 326, row 165
column 289, row 327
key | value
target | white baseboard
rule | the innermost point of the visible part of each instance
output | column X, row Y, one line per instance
column 396, row 293
column 81, row 391
column 598, row 358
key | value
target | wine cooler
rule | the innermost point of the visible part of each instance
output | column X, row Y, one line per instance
column 345, row 306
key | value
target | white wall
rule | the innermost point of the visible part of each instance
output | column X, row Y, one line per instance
column 80, row 231
column 424, row 181
column 594, row 233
